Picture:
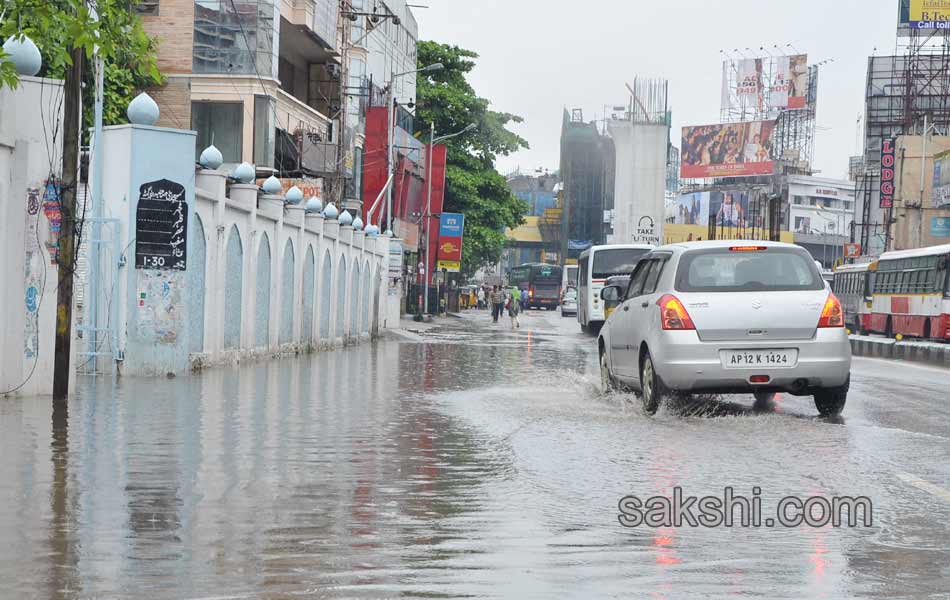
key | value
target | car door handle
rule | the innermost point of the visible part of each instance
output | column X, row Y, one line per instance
column 644, row 304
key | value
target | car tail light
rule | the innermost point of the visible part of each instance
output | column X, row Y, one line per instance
column 747, row 248
column 673, row 314
column 531, row 292
column 759, row 378
column 831, row 314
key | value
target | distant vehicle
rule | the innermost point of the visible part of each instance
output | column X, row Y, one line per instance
column 911, row 294
column 570, row 277
column 595, row 265
column 727, row 317
column 853, row 285
column 619, row 280
column 569, row 302
column 542, row 282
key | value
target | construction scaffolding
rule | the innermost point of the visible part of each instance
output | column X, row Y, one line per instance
column 901, row 92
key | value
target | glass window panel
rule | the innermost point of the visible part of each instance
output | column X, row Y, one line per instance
column 264, row 130
column 221, row 123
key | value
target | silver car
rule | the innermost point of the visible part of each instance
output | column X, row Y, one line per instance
column 727, row 317
column 569, row 303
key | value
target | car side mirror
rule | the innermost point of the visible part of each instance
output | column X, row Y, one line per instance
column 611, row 293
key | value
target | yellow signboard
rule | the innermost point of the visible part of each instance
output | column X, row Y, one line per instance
column 674, row 233
column 930, row 10
column 452, row 266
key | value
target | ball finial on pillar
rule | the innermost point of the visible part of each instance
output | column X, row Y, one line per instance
column 313, row 205
column 243, row 173
column 142, row 110
column 272, row 186
column 211, row 158
column 24, row 55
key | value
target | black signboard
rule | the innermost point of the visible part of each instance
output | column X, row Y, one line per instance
column 161, row 226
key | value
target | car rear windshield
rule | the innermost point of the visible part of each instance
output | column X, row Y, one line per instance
column 770, row 269
column 617, row 261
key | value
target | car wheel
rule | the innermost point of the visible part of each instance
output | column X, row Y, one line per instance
column 607, row 382
column 651, row 388
column 830, row 401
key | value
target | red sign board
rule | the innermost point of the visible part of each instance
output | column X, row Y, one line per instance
column 887, row 172
column 450, row 249
column 852, row 250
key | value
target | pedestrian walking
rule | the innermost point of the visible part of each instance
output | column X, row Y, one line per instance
column 514, row 307
column 497, row 302
column 481, row 297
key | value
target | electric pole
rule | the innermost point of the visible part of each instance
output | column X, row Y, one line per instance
column 72, row 106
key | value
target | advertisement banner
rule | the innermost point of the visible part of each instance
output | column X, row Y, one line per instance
column 852, row 250
column 691, row 209
column 789, row 82
column 727, row 150
column 730, row 209
column 887, row 172
column 940, row 192
column 940, row 227
column 929, row 14
column 449, row 254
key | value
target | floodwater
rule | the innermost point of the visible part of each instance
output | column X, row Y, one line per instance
column 470, row 461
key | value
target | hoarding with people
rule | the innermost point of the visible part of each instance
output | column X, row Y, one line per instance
column 727, row 150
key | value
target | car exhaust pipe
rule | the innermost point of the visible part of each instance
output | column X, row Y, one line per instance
column 799, row 385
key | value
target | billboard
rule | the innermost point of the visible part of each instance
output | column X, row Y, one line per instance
column 449, row 254
column 763, row 86
column 727, row 150
column 789, row 87
column 887, row 172
column 940, row 192
column 691, row 209
column 730, row 209
column 927, row 15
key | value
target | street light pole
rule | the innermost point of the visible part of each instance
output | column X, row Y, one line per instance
column 428, row 211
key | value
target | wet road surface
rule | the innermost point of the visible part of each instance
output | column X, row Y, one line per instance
column 470, row 462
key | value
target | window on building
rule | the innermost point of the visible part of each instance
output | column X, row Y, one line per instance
column 812, row 201
column 798, row 200
column 221, row 123
column 146, row 8
column 265, row 130
column 234, row 36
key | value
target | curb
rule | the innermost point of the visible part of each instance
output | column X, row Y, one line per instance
column 933, row 353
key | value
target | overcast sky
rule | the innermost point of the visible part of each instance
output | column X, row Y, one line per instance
column 538, row 57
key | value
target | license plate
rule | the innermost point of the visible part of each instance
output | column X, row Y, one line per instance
column 744, row 359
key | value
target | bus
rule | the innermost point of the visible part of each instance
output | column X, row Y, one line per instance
column 911, row 294
column 541, row 282
column 595, row 265
column 852, row 285
column 570, row 277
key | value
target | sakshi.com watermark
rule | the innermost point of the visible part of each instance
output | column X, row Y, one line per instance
column 737, row 510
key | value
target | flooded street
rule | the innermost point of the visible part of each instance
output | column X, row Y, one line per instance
column 465, row 460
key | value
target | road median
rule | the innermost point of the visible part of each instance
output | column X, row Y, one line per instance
column 934, row 353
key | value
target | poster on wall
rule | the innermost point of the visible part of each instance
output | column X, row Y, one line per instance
column 940, row 191
column 940, row 227
column 887, row 172
column 161, row 226
column 727, row 150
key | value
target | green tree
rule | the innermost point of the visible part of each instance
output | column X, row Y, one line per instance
column 57, row 26
column 473, row 186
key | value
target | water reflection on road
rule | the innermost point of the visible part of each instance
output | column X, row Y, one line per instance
column 480, row 462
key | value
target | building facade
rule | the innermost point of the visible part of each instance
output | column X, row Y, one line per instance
column 821, row 213
column 283, row 84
